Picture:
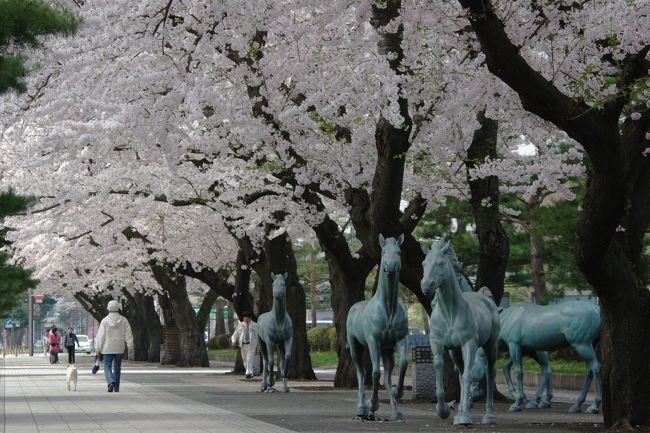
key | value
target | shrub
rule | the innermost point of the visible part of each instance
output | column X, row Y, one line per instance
column 322, row 338
column 221, row 341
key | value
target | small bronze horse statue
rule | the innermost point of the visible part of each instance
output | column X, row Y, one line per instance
column 380, row 324
column 460, row 322
column 527, row 327
column 275, row 328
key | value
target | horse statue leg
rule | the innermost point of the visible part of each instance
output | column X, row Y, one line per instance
column 593, row 370
column 271, row 364
column 507, row 366
column 285, row 354
column 389, row 363
column 469, row 352
column 265, row 367
column 541, row 357
column 398, row 390
column 520, row 396
column 356, row 353
column 375, row 356
column 442, row 408
column 491, row 355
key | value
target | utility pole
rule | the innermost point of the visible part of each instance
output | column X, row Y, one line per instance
column 30, row 322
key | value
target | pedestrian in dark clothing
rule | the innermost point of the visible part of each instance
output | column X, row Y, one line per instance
column 68, row 342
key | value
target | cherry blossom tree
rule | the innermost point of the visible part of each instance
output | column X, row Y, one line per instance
column 584, row 68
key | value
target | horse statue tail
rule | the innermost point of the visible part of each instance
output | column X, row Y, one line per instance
column 486, row 292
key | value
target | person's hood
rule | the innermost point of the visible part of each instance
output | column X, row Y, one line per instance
column 115, row 319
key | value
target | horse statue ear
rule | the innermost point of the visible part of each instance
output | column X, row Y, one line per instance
column 285, row 275
column 382, row 241
column 272, row 276
column 424, row 248
column 400, row 239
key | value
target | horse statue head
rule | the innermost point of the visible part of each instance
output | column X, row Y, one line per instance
column 279, row 285
column 391, row 260
column 435, row 269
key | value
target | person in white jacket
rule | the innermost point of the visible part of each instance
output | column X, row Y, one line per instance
column 245, row 336
column 114, row 334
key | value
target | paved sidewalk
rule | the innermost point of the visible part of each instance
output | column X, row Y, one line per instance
column 34, row 398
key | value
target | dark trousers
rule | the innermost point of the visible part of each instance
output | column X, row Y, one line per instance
column 70, row 354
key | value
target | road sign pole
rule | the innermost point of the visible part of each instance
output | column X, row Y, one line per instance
column 30, row 323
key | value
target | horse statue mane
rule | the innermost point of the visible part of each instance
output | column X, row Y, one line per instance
column 381, row 324
column 276, row 329
column 461, row 322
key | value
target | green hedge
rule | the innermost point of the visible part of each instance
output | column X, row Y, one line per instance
column 322, row 338
column 221, row 341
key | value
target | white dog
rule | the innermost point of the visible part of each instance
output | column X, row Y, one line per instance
column 71, row 376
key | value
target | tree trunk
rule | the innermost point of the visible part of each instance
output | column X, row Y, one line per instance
column 493, row 241
column 537, row 262
column 192, row 344
column 312, row 289
column 151, row 318
column 219, row 326
column 170, row 333
column 131, row 310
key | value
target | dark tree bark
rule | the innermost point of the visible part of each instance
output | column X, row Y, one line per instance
column 536, row 255
column 493, row 241
column 171, row 337
column 138, row 328
column 192, row 346
column 616, row 209
column 219, row 328
column 95, row 305
column 151, row 318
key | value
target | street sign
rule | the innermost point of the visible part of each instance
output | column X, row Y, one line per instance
column 213, row 313
column 39, row 299
column 16, row 324
column 9, row 323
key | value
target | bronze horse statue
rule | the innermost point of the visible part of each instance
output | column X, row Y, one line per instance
column 276, row 329
column 381, row 324
column 532, row 328
column 461, row 322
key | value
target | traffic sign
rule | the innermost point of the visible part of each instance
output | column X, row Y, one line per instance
column 39, row 299
column 213, row 313
column 16, row 324
column 9, row 323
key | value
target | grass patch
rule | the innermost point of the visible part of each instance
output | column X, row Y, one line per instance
column 326, row 357
column 557, row 366
column 223, row 352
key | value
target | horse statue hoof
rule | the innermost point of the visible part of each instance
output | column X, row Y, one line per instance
column 515, row 408
column 574, row 408
column 444, row 409
column 532, row 405
column 463, row 420
column 397, row 416
column 489, row 419
column 545, row 404
column 592, row 409
column 285, row 389
column 362, row 412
